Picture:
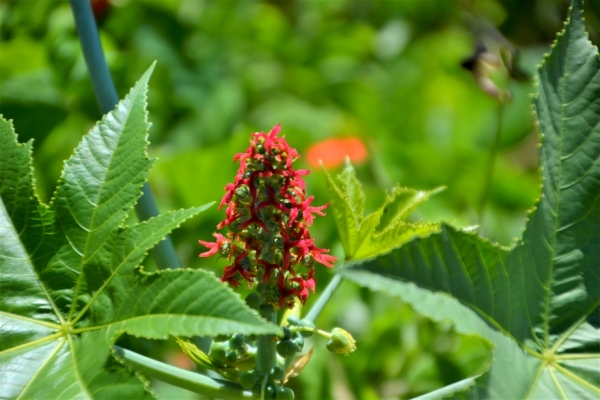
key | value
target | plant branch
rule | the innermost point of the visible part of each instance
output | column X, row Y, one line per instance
column 182, row 378
column 266, row 352
column 324, row 298
column 106, row 96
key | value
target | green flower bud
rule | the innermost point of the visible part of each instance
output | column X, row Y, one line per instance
column 248, row 379
column 236, row 342
column 273, row 227
column 308, row 261
column 266, row 310
column 299, row 342
column 293, row 320
column 341, row 342
column 232, row 356
column 287, row 334
column 270, row 392
column 224, row 250
column 287, row 348
column 277, row 373
column 307, row 324
column 234, row 226
column 246, row 263
column 284, row 393
column 242, row 191
column 243, row 350
column 253, row 300
column 218, row 352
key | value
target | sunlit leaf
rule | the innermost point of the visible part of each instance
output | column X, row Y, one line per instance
column 380, row 231
column 539, row 301
column 69, row 271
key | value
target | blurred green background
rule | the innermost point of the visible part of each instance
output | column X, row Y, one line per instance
column 385, row 71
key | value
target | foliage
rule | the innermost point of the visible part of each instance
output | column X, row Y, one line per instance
column 538, row 302
column 382, row 230
column 71, row 282
column 385, row 73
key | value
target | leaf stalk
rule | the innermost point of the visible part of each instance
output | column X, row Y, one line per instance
column 324, row 298
column 182, row 378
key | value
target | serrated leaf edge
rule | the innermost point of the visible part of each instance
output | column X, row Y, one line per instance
column 199, row 209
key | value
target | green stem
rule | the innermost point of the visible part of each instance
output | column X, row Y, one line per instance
column 182, row 378
column 490, row 168
column 263, row 387
column 325, row 334
column 106, row 95
column 324, row 298
column 266, row 350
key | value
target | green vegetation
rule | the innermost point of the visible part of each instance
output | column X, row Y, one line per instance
column 473, row 289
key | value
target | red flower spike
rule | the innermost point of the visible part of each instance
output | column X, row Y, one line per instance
column 267, row 215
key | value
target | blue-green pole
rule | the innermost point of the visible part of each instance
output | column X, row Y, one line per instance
column 106, row 95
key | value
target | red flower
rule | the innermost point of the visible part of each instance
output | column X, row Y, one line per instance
column 267, row 216
column 213, row 247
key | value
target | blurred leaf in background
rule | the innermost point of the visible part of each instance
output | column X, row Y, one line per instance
column 387, row 73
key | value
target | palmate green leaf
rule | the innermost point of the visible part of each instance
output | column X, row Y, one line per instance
column 380, row 231
column 69, row 271
column 539, row 302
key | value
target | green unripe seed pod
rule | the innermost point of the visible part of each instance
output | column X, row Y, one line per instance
column 248, row 379
column 266, row 310
column 287, row 334
column 253, row 300
column 287, row 348
column 218, row 352
column 270, row 392
column 261, row 287
column 243, row 350
column 307, row 324
column 293, row 320
column 284, row 393
column 341, row 342
column 299, row 342
column 277, row 373
column 232, row 356
column 236, row 342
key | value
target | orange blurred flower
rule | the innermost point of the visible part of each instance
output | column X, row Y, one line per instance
column 333, row 152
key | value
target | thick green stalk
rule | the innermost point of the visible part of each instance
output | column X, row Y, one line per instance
column 266, row 351
column 324, row 298
column 106, row 95
column 184, row 379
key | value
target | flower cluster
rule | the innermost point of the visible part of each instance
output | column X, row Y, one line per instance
column 267, row 216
